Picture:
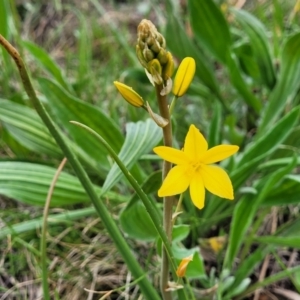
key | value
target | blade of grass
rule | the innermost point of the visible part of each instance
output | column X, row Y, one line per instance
column 43, row 245
column 269, row 280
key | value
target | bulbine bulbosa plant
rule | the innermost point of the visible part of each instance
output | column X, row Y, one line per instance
column 195, row 163
column 202, row 193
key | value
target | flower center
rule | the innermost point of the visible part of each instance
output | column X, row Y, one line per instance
column 197, row 166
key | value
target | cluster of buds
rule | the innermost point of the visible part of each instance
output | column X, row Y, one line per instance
column 159, row 66
column 152, row 54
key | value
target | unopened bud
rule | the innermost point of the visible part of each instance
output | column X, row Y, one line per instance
column 151, row 50
column 184, row 76
column 168, row 68
column 129, row 94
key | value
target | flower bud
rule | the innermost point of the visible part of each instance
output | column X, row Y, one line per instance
column 184, row 76
column 168, row 68
column 181, row 270
column 151, row 50
column 129, row 94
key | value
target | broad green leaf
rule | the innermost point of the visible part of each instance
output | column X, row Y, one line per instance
column 29, row 183
column 24, row 124
column 210, row 27
column 140, row 139
column 259, row 44
column 65, row 108
column 287, row 84
column 180, row 232
column 261, row 148
column 183, row 46
column 47, row 63
column 136, row 222
column 289, row 241
column 245, row 210
column 196, row 268
column 134, row 218
column 34, row 224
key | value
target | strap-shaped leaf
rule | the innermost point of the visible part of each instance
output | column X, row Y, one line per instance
column 210, row 27
column 287, row 85
column 287, row 241
column 26, row 127
column 29, row 183
column 141, row 137
column 65, row 108
column 246, row 208
column 212, row 32
column 33, row 224
column 47, row 63
column 286, row 193
column 259, row 45
column 183, row 46
column 261, row 148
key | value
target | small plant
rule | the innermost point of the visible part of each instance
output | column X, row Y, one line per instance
column 244, row 148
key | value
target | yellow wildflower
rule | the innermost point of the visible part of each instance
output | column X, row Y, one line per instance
column 195, row 170
column 217, row 243
column 181, row 270
column 129, row 94
column 184, row 76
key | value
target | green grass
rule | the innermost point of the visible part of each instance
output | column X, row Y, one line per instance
column 245, row 92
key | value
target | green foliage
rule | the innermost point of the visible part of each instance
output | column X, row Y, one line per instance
column 246, row 92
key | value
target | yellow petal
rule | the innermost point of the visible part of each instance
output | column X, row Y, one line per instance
column 217, row 181
column 184, row 76
column 197, row 190
column 129, row 94
column 172, row 155
column 176, row 182
column 180, row 272
column 195, row 144
column 218, row 153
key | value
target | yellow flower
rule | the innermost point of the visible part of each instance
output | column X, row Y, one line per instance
column 194, row 169
column 217, row 243
column 129, row 94
column 180, row 272
column 184, row 76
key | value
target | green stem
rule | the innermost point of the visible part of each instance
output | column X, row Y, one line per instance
column 173, row 103
column 45, row 284
column 146, row 288
column 151, row 208
column 168, row 201
column 178, row 208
